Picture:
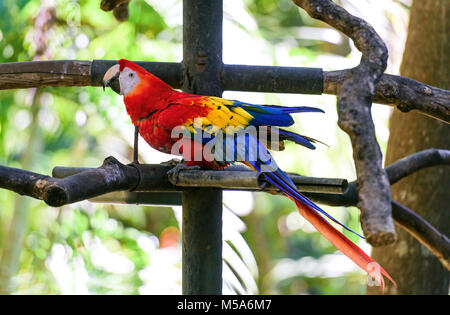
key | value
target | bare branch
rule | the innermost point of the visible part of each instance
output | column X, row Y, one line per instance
column 405, row 93
column 396, row 171
column 423, row 231
column 18, row 75
column 111, row 176
column 417, row 161
column 354, row 110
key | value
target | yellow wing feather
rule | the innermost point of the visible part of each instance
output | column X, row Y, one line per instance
column 222, row 117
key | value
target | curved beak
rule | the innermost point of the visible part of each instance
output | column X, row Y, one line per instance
column 111, row 79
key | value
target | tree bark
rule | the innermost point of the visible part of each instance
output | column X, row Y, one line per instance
column 427, row 59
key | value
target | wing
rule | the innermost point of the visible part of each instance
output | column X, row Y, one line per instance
column 213, row 114
column 210, row 120
column 271, row 115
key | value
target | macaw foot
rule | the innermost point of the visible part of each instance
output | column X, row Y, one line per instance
column 173, row 173
column 172, row 162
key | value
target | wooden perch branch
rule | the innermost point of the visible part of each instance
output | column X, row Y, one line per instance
column 72, row 184
column 153, row 177
column 354, row 111
column 405, row 93
column 420, row 229
column 111, row 176
column 76, row 182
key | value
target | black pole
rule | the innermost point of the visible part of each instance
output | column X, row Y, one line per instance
column 202, row 46
column 272, row 79
column 267, row 79
column 202, row 208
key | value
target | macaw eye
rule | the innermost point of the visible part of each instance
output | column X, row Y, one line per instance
column 131, row 75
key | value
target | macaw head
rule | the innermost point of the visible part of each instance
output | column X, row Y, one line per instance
column 142, row 91
column 124, row 77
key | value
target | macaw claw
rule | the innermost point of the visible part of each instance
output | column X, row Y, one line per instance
column 174, row 172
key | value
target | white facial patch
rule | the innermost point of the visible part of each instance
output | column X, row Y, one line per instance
column 128, row 79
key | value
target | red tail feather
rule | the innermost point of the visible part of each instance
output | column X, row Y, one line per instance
column 341, row 242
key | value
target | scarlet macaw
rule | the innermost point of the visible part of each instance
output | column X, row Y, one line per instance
column 156, row 109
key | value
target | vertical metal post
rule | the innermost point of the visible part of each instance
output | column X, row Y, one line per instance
column 202, row 208
column 202, row 241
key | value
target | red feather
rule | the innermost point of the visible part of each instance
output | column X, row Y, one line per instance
column 341, row 242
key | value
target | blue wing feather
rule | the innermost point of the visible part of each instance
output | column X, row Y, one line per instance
column 297, row 109
column 296, row 138
column 273, row 115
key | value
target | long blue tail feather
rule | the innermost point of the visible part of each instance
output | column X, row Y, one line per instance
column 257, row 155
column 284, row 183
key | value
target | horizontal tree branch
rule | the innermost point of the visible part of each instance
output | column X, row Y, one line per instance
column 417, row 161
column 111, row 176
column 71, row 185
column 404, row 93
column 148, row 183
column 247, row 78
column 114, row 176
column 153, row 177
